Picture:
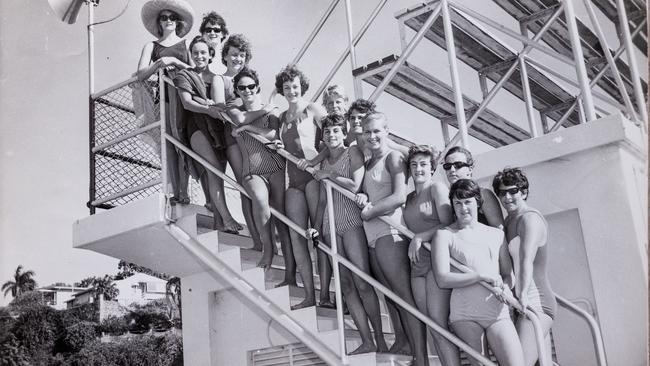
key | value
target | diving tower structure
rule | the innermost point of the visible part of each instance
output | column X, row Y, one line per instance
column 582, row 141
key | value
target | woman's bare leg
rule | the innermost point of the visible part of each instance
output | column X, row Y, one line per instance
column 258, row 192
column 504, row 343
column 528, row 340
column 438, row 309
column 474, row 335
column 235, row 160
column 394, row 262
column 401, row 344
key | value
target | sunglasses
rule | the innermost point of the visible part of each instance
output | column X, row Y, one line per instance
column 512, row 191
column 250, row 87
column 211, row 30
column 165, row 17
column 456, row 164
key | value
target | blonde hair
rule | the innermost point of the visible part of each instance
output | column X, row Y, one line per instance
column 334, row 92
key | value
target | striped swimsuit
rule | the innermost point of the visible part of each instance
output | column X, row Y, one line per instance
column 348, row 215
column 257, row 159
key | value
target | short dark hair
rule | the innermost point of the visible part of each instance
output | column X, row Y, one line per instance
column 239, row 42
column 288, row 73
column 510, row 177
column 246, row 73
column 362, row 106
column 425, row 150
column 465, row 188
column 464, row 151
column 213, row 17
column 332, row 120
column 200, row 39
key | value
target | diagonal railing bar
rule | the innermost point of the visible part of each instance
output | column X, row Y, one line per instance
column 311, row 37
column 407, row 52
column 126, row 136
column 610, row 60
column 344, row 55
column 220, row 271
column 126, row 192
column 493, row 92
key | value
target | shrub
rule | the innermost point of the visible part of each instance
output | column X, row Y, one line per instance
column 114, row 325
column 38, row 327
column 80, row 334
column 11, row 353
column 26, row 300
column 142, row 351
column 88, row 312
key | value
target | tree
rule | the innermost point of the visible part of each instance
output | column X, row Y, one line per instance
column 105, row 286
column 86, row 282
column 173, row 294
column 22, row 282
column 127, row 269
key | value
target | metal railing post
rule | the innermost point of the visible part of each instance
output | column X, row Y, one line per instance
column 92, row 188
column 578, row 58
column 402, row 58
column 163, row 132
column 634, row 69
column 455, row 77
column 525, row 86
column 336, row 272
column 610, row 60
column 358, row 92
column 596, row 334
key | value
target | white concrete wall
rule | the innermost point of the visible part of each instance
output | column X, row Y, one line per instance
column 596, row 170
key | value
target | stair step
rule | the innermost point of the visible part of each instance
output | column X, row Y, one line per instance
column 436, row 98
column 480, row 50
column 557, row 37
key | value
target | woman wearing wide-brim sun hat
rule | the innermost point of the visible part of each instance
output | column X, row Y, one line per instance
column 168, row 21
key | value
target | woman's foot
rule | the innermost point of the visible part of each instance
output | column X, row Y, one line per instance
column 400, row 349
column 382, row 347
column 265, row 263
column 232, row 226
column 327, row 304
column 183, row 200
column 287, row 282
column 364, row 348
column 304, row 304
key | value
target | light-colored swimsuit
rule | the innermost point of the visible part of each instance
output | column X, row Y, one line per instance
column 475, row 302
column 540, row 295
column 378, row 184
column 420, row 215
column 346, row 212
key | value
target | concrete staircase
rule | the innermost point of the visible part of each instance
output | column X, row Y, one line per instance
column 232, row 249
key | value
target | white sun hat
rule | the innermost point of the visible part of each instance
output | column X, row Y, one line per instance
column 151, row 9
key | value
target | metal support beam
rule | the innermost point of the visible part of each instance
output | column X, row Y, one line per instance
column 525, row 86
column 610, row 60
column 345, row 54
column 455, row 76
column 402, row 59
column 353, row 56
column 578, row 58
column 482, row 80
column 634, row 68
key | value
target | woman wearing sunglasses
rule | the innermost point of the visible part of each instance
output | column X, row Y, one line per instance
column 527, row 234
column 263, row 169
column 427, row 209
column 214, row 30
column 458, row 164
column 475, row 312
column 168, row 21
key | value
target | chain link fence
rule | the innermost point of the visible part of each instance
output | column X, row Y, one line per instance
column 125, row 138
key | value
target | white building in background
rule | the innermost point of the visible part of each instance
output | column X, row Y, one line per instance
column 57, row 296
column 139, row 288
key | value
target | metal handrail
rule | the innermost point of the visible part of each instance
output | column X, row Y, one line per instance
column 308, row 235
column 113, row 87
column 596, row 334
column 219, row 268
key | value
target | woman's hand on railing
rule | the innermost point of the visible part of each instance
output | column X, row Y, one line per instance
column 274, row 145
column 303, row 164
column 314, row 235
column 361, row 199
column 319, row 175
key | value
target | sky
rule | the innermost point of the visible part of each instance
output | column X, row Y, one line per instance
column 44, row 91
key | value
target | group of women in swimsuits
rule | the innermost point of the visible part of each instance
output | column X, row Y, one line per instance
column 349, row 145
